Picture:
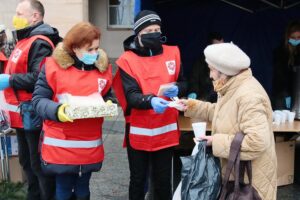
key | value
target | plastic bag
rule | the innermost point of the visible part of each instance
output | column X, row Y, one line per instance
column 201, row 175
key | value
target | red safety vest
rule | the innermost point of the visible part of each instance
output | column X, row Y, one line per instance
column 18, row 64
column 150, row 131
column 78, row 142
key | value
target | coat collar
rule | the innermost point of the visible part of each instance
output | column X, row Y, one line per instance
column 235, row 81
column 65, row 60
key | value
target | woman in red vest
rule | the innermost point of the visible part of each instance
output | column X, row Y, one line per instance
column 151, row 126
column 72, row 149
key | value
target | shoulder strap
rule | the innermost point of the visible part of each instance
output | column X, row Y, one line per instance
column 232, row 161
column 234, row 151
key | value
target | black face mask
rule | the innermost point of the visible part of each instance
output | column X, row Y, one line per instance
column 152, row 40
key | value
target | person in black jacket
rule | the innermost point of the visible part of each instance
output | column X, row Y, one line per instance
column 286, row 64
column 200, row 84
column 18, row 84
column 152, row 131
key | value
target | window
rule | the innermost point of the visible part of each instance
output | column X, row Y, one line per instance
column 121, row 13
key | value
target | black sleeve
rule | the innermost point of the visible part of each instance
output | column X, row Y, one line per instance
column 281, row 82
column 133, row 93
column 38, row 51
column 109, row 96
column 182, row 83
column 42, row 98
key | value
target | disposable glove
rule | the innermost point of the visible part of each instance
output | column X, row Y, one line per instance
column 192, row 95
column 4, row 81
column 171, row 92
column 62, row 117
column 288, row 101
column 159, row 105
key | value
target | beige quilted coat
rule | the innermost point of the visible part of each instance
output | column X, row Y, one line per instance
column 243, row 105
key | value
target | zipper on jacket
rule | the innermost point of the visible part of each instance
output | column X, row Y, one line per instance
column 80, row 172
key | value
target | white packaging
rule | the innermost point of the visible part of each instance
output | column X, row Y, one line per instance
column 92, row 106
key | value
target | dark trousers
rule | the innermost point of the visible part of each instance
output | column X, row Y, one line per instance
column 161, row 165
column 40, row 186
column 66, row 183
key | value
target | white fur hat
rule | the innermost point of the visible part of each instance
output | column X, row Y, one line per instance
column 226, row 58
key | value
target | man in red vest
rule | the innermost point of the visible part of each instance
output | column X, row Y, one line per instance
column 151, row 126
column 35, row 42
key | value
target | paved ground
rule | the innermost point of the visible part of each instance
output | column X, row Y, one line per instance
column 111, row 183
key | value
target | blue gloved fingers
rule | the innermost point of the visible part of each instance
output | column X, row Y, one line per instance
column 163, row 102
column 4, row 81
column 159, row 105
column 192, row 95
column 172, row 91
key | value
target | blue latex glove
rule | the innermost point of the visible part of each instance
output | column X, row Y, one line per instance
column 159, row 105
column 288, row 102
column 171, row 92
column 4, row 81
column 192, row 95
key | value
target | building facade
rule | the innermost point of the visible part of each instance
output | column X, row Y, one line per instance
column 63, row 14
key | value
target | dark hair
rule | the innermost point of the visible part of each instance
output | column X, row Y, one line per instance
column 38, row 6
column 292, row 27
column 80, row 35
column 214, row 36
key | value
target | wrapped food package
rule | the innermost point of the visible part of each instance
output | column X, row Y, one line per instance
column 92, row 106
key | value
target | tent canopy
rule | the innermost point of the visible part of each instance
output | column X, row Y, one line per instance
column 257, row 26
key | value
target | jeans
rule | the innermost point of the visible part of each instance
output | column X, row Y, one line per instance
column 66, row 183
column 40, row 186
column 161, row 165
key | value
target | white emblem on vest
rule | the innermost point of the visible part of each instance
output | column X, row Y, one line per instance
column 171, row 66
column 101, row 84
column 16, row 55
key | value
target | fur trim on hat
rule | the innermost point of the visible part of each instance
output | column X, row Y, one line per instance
column 63, row 58
column 227, row 58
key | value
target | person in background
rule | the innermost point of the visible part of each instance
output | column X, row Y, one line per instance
column 151, row 126
column 242, row 106
column 35, row 42
column 72, row 149
column 3, row 42
column 200, row 85
column 286, row 64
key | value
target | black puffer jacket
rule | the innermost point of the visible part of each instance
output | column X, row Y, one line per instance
column 38, row 51
column 283, row 77
column 133, row 93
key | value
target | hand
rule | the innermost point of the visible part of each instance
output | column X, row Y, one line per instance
column 208, row 139
column 171, row 92
column 159, row 105
column 192, row 95
column 183, row 102
column 109, row 102
column 4, row 81
column 62, row 117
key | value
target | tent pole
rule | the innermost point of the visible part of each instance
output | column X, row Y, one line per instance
column 270, row 4
column 292, row 5
column 238, row 6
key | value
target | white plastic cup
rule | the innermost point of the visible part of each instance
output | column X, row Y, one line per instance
column 291, row 117
column 199, row 129
column 277, row 118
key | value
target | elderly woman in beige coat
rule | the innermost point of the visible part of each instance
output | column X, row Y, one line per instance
column 243, row 105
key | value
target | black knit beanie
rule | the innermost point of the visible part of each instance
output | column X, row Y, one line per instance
column 145, row 18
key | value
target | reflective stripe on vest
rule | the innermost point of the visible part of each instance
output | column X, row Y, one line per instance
column 154, row 131
column 72, row 143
